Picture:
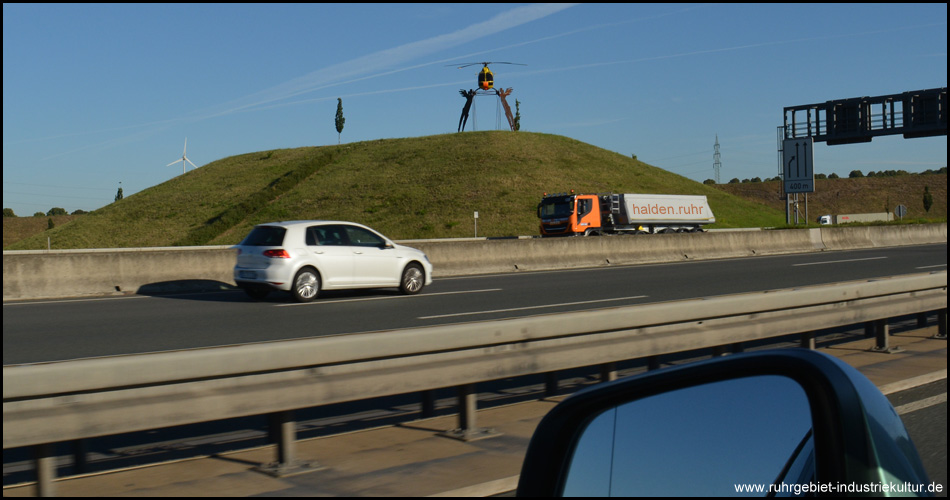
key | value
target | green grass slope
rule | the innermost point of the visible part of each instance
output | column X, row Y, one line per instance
column 19, row 228
column 857, row 196
column 426, row 187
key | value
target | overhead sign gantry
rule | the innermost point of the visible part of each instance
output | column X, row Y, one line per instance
column 918, row 113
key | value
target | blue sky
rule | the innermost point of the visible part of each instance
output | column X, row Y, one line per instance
column 98, row 95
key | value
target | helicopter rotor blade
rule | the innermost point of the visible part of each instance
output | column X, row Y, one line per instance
column 465, row 65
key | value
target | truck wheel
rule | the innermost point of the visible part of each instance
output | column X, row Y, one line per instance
column 306, row 285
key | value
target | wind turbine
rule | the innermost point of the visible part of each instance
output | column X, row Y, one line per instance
column 183, row 159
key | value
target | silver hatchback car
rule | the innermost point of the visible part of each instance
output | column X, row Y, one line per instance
column 304, row 257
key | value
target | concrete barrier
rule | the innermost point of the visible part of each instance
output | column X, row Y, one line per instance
column 844, row 238
column 77, row 273
column 476, row 257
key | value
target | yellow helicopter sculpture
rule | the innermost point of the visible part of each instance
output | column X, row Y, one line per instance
column 486, row 82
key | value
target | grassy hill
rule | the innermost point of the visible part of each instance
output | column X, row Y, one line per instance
column 18, row 228
column 426, row 187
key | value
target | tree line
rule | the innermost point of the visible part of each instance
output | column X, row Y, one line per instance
column 8, row 212
column 855, row 174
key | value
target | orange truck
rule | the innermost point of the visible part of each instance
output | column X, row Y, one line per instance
column 569, row 214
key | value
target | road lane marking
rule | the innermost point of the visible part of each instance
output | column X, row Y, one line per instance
column 836, row 261
column 318, row 301
column 928, row 267
column 473, row 313
column 923, row 403
column 70, row 301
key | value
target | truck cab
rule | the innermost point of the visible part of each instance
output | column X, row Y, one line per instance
column 568, row 214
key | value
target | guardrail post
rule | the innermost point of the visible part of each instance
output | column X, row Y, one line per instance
column 942, row 324
column 808, row 340
column 428, row 403
column 921, row 320
column 881, row 331
column 287, row 437
column 468, row 406
column 79, row 456
column 653, row 363
column 550, row 384
column 283, row 429
column 608, row 372
column 45, row 469
column 467, row 430
column 882, row 337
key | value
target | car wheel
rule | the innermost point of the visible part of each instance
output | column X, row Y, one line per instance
column 413, row 279
column 256, row 293
column 306, row 285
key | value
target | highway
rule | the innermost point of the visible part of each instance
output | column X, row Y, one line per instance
column 40, row 331
column 43, row 331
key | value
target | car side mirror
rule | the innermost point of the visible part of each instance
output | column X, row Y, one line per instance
column 775, row 422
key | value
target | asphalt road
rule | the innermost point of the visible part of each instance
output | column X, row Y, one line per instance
column 42, row 331
column 924, row 413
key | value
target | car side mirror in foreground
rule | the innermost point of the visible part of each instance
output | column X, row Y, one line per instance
column 781, row 422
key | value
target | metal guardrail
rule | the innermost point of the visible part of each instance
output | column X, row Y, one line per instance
column 64, row 401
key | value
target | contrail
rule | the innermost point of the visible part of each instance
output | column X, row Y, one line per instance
column 378, row 64
column 391, row 57
column 348, row 72
column 443, row 61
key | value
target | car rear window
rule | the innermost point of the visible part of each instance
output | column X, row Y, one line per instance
column 265, row 236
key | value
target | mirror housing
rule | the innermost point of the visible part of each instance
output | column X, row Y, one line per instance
column 857, row 437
